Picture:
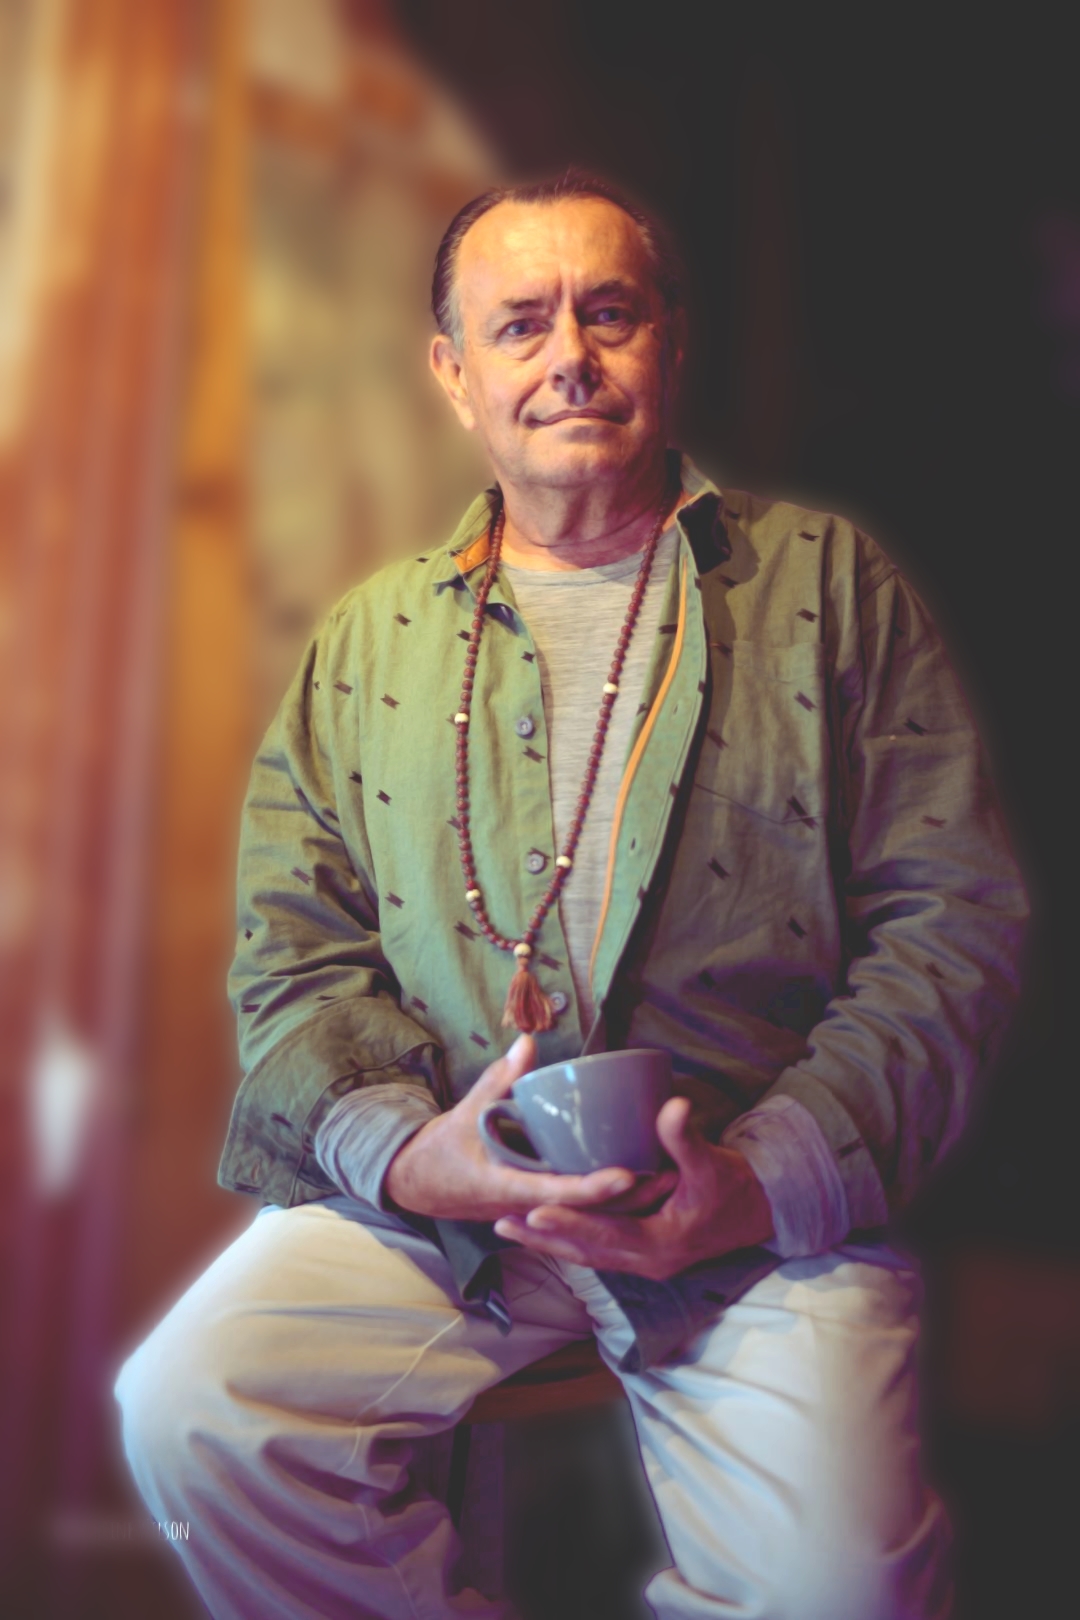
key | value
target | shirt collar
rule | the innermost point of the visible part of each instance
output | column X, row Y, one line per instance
column 698, row 517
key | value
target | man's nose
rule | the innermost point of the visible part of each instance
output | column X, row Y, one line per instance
column 572, row 367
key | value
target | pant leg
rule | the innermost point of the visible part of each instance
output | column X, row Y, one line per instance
column 275, row 1409
column 783, row 1449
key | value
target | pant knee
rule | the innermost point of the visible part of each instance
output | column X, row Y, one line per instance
column 152, row 1415
column 849, row 1573
column 171, row 1390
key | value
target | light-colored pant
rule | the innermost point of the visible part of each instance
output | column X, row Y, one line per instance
column 275, row 1407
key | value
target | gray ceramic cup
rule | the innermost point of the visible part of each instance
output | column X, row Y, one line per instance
column 589, row 1113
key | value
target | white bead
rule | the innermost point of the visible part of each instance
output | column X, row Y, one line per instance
column 472, row 894
column 461, row 719
column 610, row 689
column 521, row 951
column 564, row 861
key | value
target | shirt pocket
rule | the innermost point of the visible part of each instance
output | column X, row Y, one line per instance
column 765, row 743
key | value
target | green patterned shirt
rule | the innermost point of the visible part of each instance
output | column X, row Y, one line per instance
column 808, row 890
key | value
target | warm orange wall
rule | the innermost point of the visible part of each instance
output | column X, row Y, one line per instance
column 131, row 447
column 188, row 1071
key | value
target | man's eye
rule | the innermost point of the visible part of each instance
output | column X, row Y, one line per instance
column 610, row 315
column 520, row 328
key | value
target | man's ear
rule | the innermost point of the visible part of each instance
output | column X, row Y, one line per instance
column 446, row 364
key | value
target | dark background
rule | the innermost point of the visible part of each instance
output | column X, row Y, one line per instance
column 880, row 214
column 880, row 217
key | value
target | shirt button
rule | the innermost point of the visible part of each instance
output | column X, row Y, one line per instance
column 525, row 726
column 535, row 861
column 559, row 1001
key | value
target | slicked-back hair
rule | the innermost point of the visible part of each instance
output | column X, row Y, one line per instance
column 573, row 182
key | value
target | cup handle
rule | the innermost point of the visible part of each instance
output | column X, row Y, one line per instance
column 497, row 1148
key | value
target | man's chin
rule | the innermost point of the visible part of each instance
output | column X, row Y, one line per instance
column 569, row 464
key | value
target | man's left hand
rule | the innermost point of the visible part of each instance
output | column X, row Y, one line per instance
column 717, row 1205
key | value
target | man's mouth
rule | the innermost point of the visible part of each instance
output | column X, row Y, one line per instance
column 576, row 416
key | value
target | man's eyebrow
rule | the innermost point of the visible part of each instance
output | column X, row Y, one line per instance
column 614, row 287
column 510, row 306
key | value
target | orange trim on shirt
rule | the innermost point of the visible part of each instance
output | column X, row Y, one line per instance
column 475, row 554
column 633, row 762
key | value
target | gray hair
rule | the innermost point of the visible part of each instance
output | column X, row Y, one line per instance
column 573, row 182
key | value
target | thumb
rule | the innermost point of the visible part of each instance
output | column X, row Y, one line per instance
column 678, row 1137
column 499, row 1076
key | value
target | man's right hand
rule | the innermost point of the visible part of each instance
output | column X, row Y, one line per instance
column 444, row 1170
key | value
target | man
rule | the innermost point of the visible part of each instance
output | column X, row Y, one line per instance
column 777, row 858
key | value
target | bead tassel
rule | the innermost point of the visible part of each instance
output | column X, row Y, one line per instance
column 528, row 1008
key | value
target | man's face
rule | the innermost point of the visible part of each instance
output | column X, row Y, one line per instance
column 565, row 368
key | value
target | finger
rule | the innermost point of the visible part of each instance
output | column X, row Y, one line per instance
column 607, row 1256
column 599, row 1187
column 648, row 1193
column 499, row 1076
column 599, row 1234
column 525, row 1189
column 685, row 1145
column 516, row 1230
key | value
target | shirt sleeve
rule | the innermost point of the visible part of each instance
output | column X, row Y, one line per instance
column 317, row 1004
column 790, row 1156
column 361, row 1134
column 932, row 911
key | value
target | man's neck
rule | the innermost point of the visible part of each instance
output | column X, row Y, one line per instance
column 557, row 530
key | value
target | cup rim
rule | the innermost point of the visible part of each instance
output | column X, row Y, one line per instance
column 592, row 1057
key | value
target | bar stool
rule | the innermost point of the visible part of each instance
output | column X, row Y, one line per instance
column 544, row 1482
column 572, row 1379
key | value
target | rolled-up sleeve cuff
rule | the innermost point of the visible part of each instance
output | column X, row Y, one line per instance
column 790, row 1156
column 866, row 1201
column 363, row 1131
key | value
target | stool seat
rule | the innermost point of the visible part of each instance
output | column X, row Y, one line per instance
column 569, row 1380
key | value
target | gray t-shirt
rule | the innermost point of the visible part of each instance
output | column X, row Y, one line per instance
column 574, row 619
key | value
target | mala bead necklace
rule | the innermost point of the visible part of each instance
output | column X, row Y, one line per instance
column 527, row 1007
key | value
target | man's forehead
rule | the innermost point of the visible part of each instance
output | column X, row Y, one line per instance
column 516, row 248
